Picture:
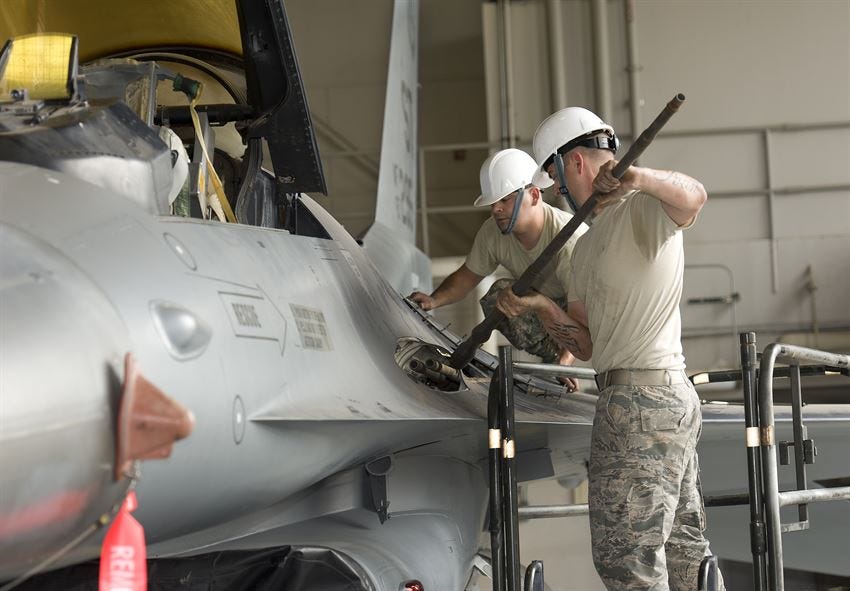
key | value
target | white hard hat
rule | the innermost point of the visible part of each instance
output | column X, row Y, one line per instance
column 564, row 126
column 507, row 171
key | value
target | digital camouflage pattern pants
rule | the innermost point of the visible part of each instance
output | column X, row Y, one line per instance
column 646, row 510
column 524, row 332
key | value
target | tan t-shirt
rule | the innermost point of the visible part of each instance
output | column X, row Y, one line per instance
column 628, row 272
column 491, row 248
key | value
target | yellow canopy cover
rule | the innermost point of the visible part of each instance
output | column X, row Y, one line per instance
column 106, row 27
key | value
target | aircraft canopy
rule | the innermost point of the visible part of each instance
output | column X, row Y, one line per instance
column 106, row 27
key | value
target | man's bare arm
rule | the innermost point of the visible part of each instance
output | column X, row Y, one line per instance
column 452, row 289
column 564, row 330
column 681, row 196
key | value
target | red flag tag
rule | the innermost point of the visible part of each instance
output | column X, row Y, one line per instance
column 123, row 565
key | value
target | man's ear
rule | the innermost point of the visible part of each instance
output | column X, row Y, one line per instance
column 578, row 160
column 535, row 194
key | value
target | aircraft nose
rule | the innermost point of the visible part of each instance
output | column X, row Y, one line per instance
column 62, row 349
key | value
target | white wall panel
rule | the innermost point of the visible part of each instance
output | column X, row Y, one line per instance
column 529, row 62
column 746, row 63
column 813, row 215
column 750, row 265
column 721, row 163
column 730, row 219
column 820, row 157
column 578, row 47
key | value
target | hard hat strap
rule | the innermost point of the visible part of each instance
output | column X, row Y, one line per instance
column 598, row 142
column 562, row 180
column 515, row 213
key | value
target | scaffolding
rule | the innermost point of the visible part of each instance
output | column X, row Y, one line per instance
column 764, row 454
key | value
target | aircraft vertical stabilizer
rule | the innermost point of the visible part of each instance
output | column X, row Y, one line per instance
column 391, row 241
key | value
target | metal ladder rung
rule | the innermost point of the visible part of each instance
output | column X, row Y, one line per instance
column 794, row 526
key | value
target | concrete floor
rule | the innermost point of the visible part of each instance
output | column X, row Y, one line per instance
column 562, row 543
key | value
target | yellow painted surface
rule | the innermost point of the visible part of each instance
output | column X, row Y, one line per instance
column 38, row 63
column 106, row 27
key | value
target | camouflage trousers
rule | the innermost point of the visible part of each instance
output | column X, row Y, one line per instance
column 524, row 332
column 646, row 510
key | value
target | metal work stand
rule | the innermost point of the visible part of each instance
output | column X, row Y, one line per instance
column 764, row 497
column 504, row 518
column 502, row 504
column 766, row 527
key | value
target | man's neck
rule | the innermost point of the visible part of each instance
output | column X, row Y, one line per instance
column 529, row 236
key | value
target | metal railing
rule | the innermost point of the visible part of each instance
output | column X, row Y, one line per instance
column 504, row 512
column 765, row 499
column 581, row 373
column 504, row 522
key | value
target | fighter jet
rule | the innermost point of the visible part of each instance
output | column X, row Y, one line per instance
column 236, row 358
column 140, row 304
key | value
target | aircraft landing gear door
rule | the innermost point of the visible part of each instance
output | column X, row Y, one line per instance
column 378, row 471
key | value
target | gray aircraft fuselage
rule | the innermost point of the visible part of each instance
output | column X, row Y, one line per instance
column 282, row 347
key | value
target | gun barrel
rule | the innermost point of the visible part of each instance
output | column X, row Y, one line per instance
column 431, row 370
column 444, row 369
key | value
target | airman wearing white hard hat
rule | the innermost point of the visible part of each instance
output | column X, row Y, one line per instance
column 623, row 299
column 520, row 226
column 504, row 173
column 507, row 171
column 564, row 130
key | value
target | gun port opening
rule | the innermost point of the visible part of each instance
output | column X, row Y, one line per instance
column 427, row 364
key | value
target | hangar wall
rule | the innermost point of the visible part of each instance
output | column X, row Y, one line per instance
column 766, row 128
column 757, row 67
column 343, row 49
column 759, row 76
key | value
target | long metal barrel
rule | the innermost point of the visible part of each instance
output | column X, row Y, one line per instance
column 423, row 370
column 494, row 437
column 466, row 350
column 441, row 368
